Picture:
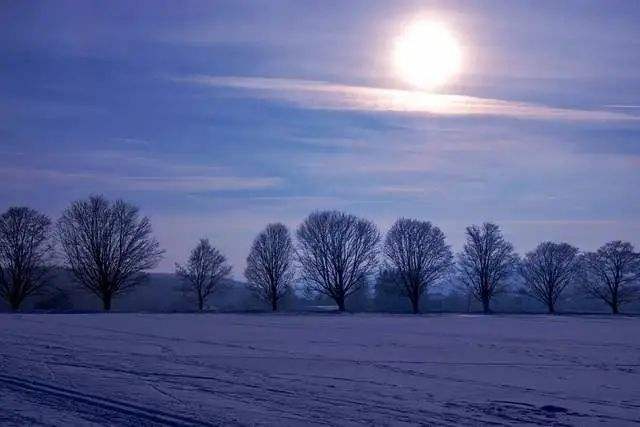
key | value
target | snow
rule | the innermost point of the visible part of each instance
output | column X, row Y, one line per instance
column 285, row 369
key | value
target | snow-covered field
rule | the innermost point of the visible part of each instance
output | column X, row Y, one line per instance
column 212, row 369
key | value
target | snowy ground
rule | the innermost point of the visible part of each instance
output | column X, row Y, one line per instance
column 212, row 369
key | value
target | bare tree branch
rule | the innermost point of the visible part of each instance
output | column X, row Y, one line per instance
column 269, row 269
column 337, row 253
column 107, row 246
column 204, row 271
column 26, row 254
column 419, row 254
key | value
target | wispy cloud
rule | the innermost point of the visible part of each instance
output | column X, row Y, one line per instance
column 29, row 177
column 201, row 183
column 560, row 222
column 131, row 141
column 622, row 106
column 136, row 171
column 324, row 95
column 406, row 190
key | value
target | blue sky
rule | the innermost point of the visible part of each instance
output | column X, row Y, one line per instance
column 219, row 117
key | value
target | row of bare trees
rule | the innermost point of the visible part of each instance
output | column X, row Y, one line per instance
column 337, row 254
column 108, row 247
column 488, row 263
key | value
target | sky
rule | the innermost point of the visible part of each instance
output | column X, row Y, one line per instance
column 216, row 118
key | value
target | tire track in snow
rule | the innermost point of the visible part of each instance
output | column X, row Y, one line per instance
column 136, row 411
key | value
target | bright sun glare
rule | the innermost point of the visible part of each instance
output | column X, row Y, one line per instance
column 427, row 55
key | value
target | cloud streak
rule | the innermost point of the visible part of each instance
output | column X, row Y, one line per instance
column 32, row 176
column 313, row 94
column 201, row 183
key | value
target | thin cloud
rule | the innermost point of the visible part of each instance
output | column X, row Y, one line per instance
column 622, row 106
column 29, row 177
column 132, row 141
column 201, row 183
column 403, row 190
column 560, row 222
column 324, row 95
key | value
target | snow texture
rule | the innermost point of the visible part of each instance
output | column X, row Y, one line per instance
column 259, row 369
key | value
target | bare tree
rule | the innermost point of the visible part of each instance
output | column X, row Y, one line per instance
column 26, row 254
column 269, row 269
column 612, row 273
column 485, row 262
column 418, row 252
column 548, row 270
column 107, row 246
column 205, row 270
column 337, row 253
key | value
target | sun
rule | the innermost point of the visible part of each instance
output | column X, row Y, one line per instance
column 427, row 55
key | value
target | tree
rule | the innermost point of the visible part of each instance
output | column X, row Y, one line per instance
column 269, row 269
column 205, row 270
column 26, row 254
column 548, row 270
column 386, row 296
column 485, row 262
column 107, row 246
column 612, row 273
column 337, row 253
column 418, row 252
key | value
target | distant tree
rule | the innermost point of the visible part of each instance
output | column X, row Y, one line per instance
column 107, row 246
column 612, row 273
column 26, row 254
column 269, row 269
column 418, row 252
column 548, row 270
column 56, row 299
column 385, row 292
column 361, row 300
column 205, row 270
column 337, row 253
column 486, row 261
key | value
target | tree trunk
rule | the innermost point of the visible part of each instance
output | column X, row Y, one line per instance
column 615, row 308
column 551, row 308
column 106, row 302
column 614, row 301
column 415, row 305
column 200, row 303
column 485, row 305
column 340, row 302
column 274, row 304
column 16, row 297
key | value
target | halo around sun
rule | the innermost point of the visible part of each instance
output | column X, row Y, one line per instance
column 427, row 55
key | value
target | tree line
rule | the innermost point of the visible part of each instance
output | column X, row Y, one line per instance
column 107, row 247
